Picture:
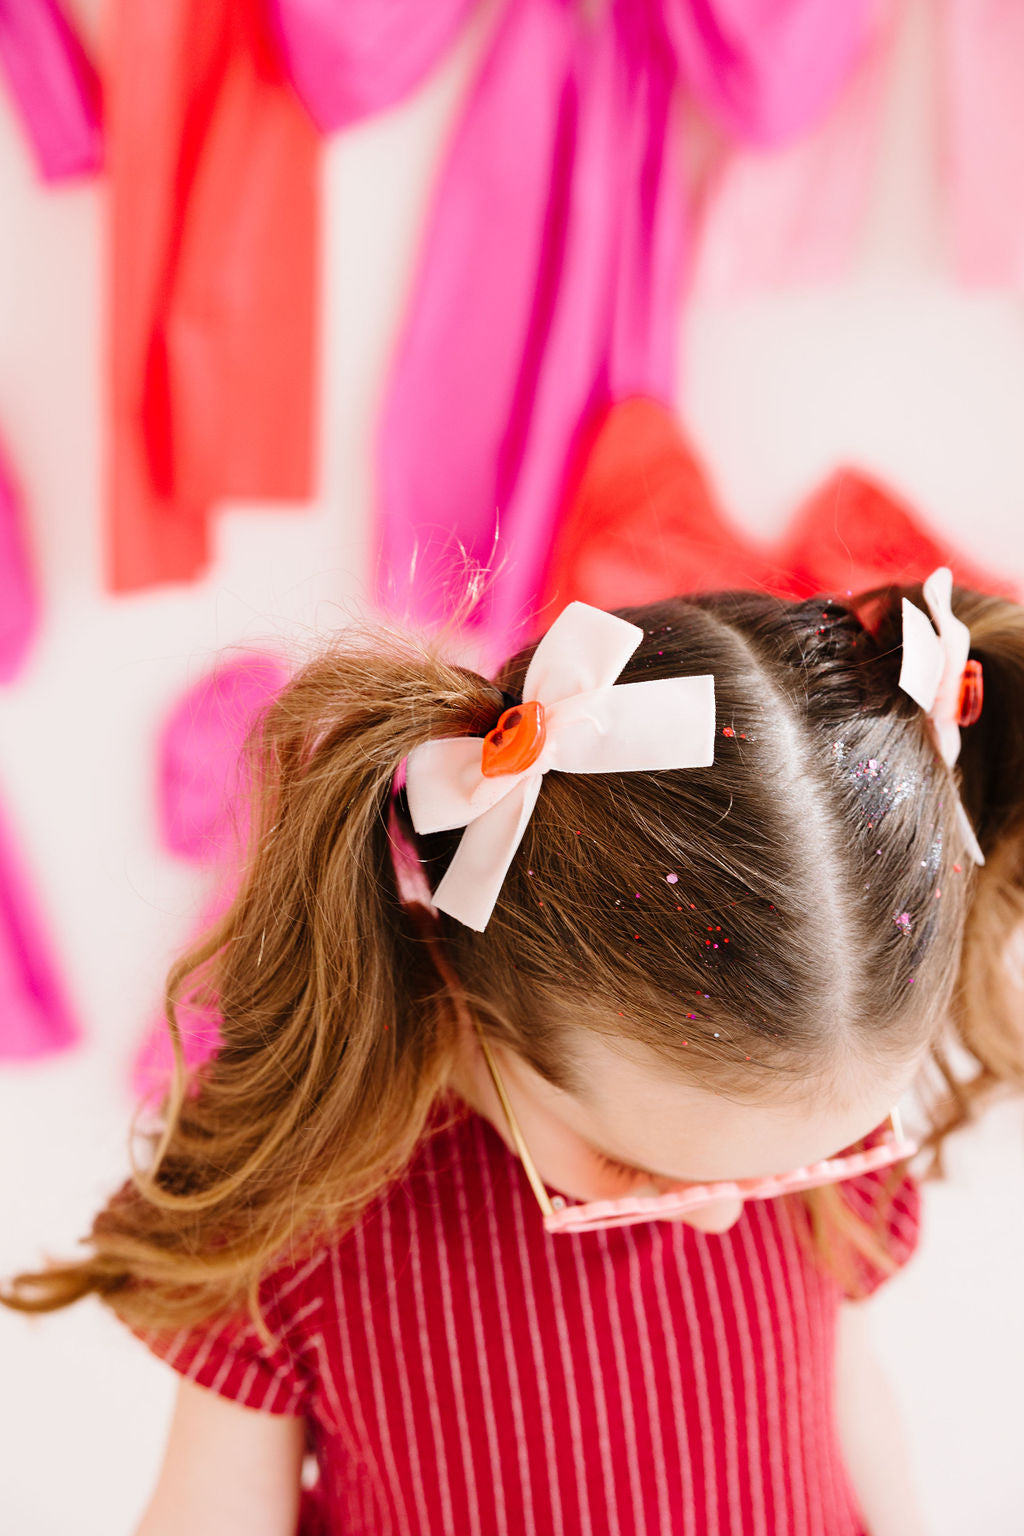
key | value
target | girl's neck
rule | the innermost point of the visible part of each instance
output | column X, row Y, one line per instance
column 465, row 1079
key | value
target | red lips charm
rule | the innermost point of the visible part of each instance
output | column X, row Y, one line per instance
column 971, row 694
column 515, row 742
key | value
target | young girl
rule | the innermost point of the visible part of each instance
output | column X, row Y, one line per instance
column 701, row 895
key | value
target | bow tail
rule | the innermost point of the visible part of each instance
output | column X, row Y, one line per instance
column 968, row 833
column 473, row 879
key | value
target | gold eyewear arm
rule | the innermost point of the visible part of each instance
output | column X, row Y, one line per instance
column 829, row 1171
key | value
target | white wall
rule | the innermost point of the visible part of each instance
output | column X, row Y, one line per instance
column 895, row 368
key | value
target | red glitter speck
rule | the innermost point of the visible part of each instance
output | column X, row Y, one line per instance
column 727, row 730
column 957, row 869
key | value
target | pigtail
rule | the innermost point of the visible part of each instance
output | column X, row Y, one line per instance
column 986, row 1006
column 336, row 1037
column 988, row 1003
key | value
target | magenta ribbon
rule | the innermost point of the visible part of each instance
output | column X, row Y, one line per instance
column 55, row 86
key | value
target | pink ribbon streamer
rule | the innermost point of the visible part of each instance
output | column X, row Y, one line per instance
column 19, row 597
column 55, row 86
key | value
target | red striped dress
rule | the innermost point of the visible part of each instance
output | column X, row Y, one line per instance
column 462, row 1371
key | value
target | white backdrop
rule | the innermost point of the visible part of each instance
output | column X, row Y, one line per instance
column 895, row 369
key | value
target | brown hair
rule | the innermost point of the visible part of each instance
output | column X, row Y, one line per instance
column 827, row 814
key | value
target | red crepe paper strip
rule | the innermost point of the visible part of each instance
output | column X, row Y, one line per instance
column 214, row 285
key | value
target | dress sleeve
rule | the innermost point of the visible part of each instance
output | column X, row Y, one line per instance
column 896, row 1219
column 228, row 1356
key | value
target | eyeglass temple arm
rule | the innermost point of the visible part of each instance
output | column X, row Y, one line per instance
column 527, row 1161
column 538, row 1188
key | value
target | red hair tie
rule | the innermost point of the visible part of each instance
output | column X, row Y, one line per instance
column 972, row 692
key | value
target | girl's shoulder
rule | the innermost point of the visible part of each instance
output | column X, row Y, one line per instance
column 889, row 1204
column 299, row 1295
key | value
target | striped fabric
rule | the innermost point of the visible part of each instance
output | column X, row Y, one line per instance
column 461, row 1371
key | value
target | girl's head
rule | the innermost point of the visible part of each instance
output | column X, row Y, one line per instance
column 736, row 970
column 709, row 972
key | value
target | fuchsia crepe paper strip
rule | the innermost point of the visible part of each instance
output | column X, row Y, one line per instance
column 553, row 267
column 353, row 59
column 549, row 270
column 982, row 52
column 19, row 597
column 55, row 86
column 36, row 1017
column 202, row 810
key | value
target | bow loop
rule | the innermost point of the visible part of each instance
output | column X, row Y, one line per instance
column 591, row 725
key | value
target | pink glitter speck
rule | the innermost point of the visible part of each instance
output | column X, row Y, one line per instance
column 672, row 879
